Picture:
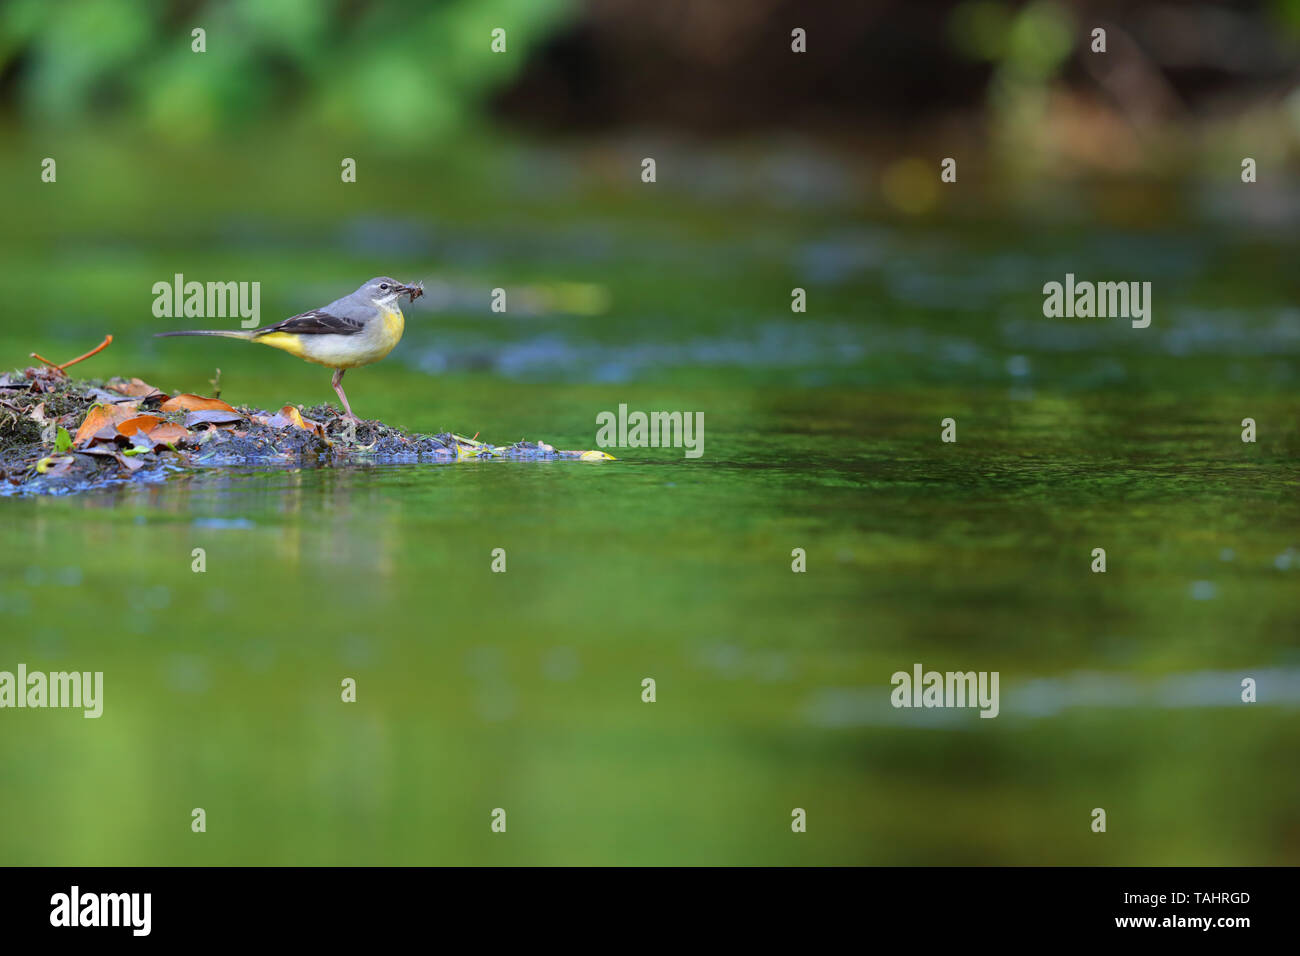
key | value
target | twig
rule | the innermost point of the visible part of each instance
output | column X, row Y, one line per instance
column 41, row 358
column 108, row 340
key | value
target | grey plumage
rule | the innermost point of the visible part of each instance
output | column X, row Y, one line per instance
column 355, row 330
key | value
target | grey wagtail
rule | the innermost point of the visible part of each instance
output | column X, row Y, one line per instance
column 349, row 332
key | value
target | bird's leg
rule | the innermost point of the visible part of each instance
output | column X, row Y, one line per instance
column 337, row 382
column 350, row 431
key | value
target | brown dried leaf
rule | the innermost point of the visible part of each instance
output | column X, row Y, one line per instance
column 99, row 451
column 195, row 403
column 130, row 462
column 103, row 419
column 136, row 388
column 289, row 415
column 168, row 434
column 140, row 423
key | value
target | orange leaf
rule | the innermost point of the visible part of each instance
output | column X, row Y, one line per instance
column 306, row 424
column 140, row 423
column 167, row 434
column 102, row 416
column 294, row 416
column 195, row 403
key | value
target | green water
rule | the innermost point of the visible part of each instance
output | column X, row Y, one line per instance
column 523, row 690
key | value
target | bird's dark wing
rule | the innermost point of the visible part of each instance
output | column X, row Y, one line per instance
column 315, row 322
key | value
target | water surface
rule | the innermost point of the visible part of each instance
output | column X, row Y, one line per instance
column 522, row 690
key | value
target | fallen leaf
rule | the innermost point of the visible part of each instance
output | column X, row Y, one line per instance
column 131, row 464
column 596, row 456
column 100, row 419
column 294, row 416
column 107, row 397
column 290, row 416
column 195, row 403
column 134, row 388
column 140, row 423
column 213, row 417
column 168, row 434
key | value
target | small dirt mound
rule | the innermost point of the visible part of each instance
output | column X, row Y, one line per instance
column 60, row 435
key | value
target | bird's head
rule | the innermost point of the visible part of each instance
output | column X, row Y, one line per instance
column 385, row 291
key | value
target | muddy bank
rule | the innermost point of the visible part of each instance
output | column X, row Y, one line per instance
column 60, row 435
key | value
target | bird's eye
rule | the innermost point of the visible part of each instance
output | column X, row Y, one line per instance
column 383, row 286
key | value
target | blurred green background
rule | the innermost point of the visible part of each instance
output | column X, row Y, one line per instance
column 521, row 170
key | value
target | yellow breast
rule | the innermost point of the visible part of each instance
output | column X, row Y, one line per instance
column 394, row 326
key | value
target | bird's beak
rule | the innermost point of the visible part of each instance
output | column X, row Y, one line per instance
column 414, row 291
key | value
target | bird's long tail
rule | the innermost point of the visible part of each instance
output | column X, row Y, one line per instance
column 224, row 333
